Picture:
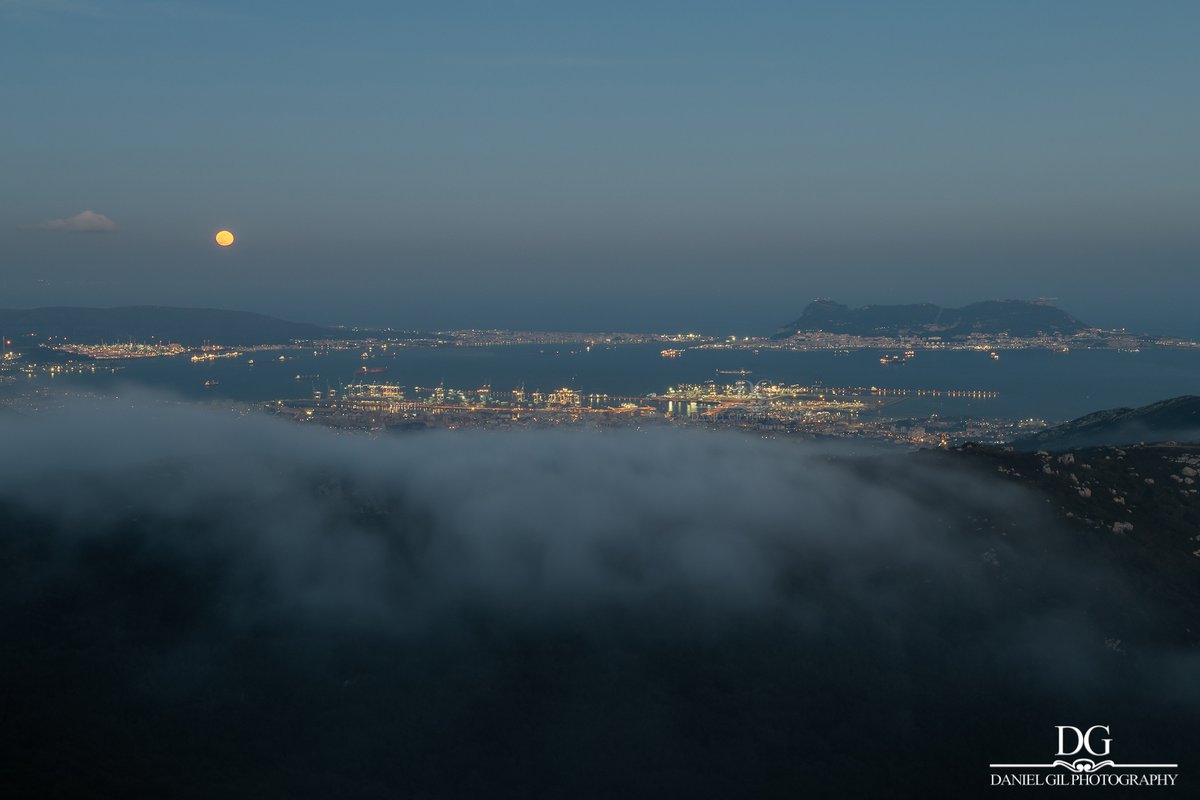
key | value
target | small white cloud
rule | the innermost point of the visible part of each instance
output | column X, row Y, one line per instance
column 83, row 222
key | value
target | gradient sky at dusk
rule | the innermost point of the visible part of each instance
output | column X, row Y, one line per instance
column 642, row 165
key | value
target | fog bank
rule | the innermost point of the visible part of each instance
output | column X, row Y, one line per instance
column 202, row 602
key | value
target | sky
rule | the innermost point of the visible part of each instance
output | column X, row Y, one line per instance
column 623, row 165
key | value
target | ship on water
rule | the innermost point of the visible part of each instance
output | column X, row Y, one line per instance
column 898, row 358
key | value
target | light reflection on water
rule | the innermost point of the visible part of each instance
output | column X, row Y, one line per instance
column 1030, row 383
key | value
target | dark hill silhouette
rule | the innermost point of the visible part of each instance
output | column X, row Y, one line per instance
column 1013, row 317
column 188, row 326
column 1176, row 419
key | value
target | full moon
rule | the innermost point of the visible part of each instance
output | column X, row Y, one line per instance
column 224, row 238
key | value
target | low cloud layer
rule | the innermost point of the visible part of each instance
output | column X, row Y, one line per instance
column 541, row 614
column 83, row 222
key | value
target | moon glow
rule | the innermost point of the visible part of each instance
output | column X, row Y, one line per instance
column 224, row 238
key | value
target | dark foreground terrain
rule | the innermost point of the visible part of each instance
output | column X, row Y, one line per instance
column 1175, row 419
column 197, row 606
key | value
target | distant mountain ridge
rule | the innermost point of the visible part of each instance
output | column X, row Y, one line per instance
column 187, row 326
column 1176, row 419
column 1013, row 317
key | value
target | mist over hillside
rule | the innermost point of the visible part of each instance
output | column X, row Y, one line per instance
column 1174, row 419
column 213, row 605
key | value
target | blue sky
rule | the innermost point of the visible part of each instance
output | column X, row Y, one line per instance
column 647, row 165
